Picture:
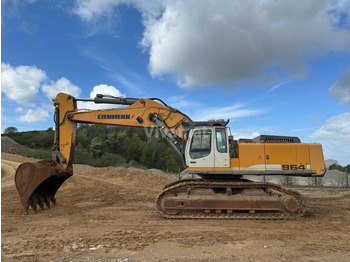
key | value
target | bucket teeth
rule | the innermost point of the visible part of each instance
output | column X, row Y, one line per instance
column 34, row 207
column 26, row 209
column 53, row 200
column 40, row 202
column 47, row 201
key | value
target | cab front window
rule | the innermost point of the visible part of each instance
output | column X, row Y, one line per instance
column 200, row 144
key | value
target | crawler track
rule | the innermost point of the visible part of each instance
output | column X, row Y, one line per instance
column 203, row 199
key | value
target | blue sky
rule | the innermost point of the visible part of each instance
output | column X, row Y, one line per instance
column 271, row 68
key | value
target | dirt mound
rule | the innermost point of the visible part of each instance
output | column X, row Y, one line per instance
column 139, row 177
column 111, row 185
column 333, row 174
column 136, row 177
column 9, row 145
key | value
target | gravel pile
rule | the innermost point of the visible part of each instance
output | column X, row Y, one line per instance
column 8, row 145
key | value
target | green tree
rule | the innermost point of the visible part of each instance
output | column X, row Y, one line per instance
column 114, row 142
column 132, row 150
column 96, row 147
column 172, row 165
column 82, row 156
column 337, row 167
column 10, row 130
column 41, row 139
column 148, row 155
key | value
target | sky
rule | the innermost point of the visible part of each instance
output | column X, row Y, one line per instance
column 270, row 67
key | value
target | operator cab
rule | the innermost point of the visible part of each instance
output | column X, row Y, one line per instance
column 207, row 145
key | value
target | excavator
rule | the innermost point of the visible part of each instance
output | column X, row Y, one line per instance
column 207, row 150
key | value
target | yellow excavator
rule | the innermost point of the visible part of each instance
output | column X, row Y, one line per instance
column 207, row 149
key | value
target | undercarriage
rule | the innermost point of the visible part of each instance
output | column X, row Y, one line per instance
column 243, row 199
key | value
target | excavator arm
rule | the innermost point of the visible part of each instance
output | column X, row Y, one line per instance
column 38, row 182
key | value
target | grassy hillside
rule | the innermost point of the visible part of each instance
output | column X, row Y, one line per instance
column 34, row 139
column 102, row 145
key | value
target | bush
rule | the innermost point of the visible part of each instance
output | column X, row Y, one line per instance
column 34, row 139
column 133, row 163
column 287, row 180
column 315, row 181
column 337, row 167
column 37, row 153
column 109, row 159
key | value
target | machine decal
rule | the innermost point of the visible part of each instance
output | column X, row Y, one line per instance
column 293, row 167
column 127, row 116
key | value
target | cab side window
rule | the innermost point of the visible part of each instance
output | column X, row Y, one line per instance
column 221, row 142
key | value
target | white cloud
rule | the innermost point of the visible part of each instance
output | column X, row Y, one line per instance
column 19, row 109
column 341, row 89
column 61, row 85
column 334, row 134
column 213, row 42
column 21, row 83
column 100, row 89
column 12, row 6
column 228, row 112
column 243, row 133
column 88, row 9
column 105, row 90
column 278, row 86
column 34, row 116
column 18, row 2
column 181, row 102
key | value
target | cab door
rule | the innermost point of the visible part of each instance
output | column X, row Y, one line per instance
column 222, row 156
column 200, row 153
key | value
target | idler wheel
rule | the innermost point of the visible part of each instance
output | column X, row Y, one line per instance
column 290, row 203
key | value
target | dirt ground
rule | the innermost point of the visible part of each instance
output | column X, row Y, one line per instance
column 108, row 214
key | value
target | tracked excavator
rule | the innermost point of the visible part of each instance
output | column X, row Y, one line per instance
column 207, row 149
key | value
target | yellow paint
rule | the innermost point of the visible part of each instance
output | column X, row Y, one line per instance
column 280, row 154
column 317, row 160
column 275, row 155
column 234, row 163
column 250, row 154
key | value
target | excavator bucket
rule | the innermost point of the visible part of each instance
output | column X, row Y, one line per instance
column 38, row 182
